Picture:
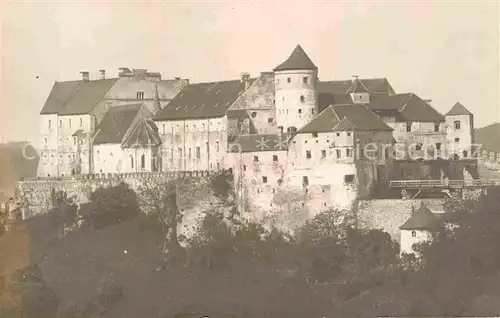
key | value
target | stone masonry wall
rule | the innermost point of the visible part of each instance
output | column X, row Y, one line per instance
column 34, row 195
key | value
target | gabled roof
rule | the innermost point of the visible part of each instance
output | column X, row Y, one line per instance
column 345, row 125
column 410, row 107
column 357, row 87
column 259, row 143
column 373, row 85
column 362, row 117
column 347, row 117
column 202, row 100
column 298, row 60
column 422, row 219
column 60, row 93
column 116, row 123
column 86, row 96
column 457, row 110
column 327, row 99
column 144, row 133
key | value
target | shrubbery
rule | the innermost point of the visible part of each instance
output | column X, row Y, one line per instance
column 109, row 206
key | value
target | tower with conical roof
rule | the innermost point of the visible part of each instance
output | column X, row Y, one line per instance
column 459, row 131
column 417, row 229
column 296, row 97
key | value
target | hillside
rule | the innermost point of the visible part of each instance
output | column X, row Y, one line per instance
column 15, row 165
column 489, row 137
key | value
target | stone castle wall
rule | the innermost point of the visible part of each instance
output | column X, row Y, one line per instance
column 34, row 195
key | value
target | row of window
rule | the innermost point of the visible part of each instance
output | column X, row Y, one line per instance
column 348, row 153
column 305, row 80
column 437, row 126
column 299, row 111
column 197, row 153
column 188, row 128
column 61, row 123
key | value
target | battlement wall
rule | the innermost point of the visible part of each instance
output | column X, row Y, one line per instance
column 34, row 194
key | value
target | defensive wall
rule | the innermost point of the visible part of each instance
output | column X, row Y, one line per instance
column 34, row 195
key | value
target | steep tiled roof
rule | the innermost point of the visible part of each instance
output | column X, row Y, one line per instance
column 324, row 122
column 60, row 93
column 457, row 110
column 422, row 219
column 258, row 143
column 362, row 117
column 345, row 125
column 327, row 99
column 202, row 100
column 351, row 117
column 298, row 60
column 143, row 134
column 357, row 87
column 410, row 107
column 116, row 123
column 237, row 114
column 373, row 85
column 86, row 96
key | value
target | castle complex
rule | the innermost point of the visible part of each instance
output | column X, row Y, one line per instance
column 285, row 131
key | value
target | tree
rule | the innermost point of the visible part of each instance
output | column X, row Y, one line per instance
column 158, row 198
column 109, row 206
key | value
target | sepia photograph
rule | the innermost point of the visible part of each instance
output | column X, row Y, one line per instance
column 190, row 159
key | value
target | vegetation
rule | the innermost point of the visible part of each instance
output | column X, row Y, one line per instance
column 327, row 268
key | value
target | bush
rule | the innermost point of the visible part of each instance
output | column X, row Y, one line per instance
column 110, row 206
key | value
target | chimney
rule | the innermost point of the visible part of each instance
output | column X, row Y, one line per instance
column 354, row 78
column 85, row 76
column 245, row 77
column 102, row 74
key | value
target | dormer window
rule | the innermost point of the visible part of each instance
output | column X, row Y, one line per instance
column 140, row 95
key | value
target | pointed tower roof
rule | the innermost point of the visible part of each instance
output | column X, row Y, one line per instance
column 298, row 60
column 457, row 110
column 156, row 105
column 422, row 219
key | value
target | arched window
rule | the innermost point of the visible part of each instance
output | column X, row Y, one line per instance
column 143, row 161
column 131, row 162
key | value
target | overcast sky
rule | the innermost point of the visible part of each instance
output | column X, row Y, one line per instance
column 446, row 52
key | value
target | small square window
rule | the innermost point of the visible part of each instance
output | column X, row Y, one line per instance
column 275, row 158
column 315, row 135
column 339, row 153
column 436, row 127
column 348, row 134
column 255, row 158
column 264, row 179
column 304, row 80
column 323, row 154
column 270, row 120
column 348, row 153
column 308, row 154
column 244, row 168
column 457, row 139
column 300, row 110
column 140, row 95
column 289, row 80
column 338, row 134
column 413, row 234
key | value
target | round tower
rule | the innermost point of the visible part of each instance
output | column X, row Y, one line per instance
column 296, row 97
